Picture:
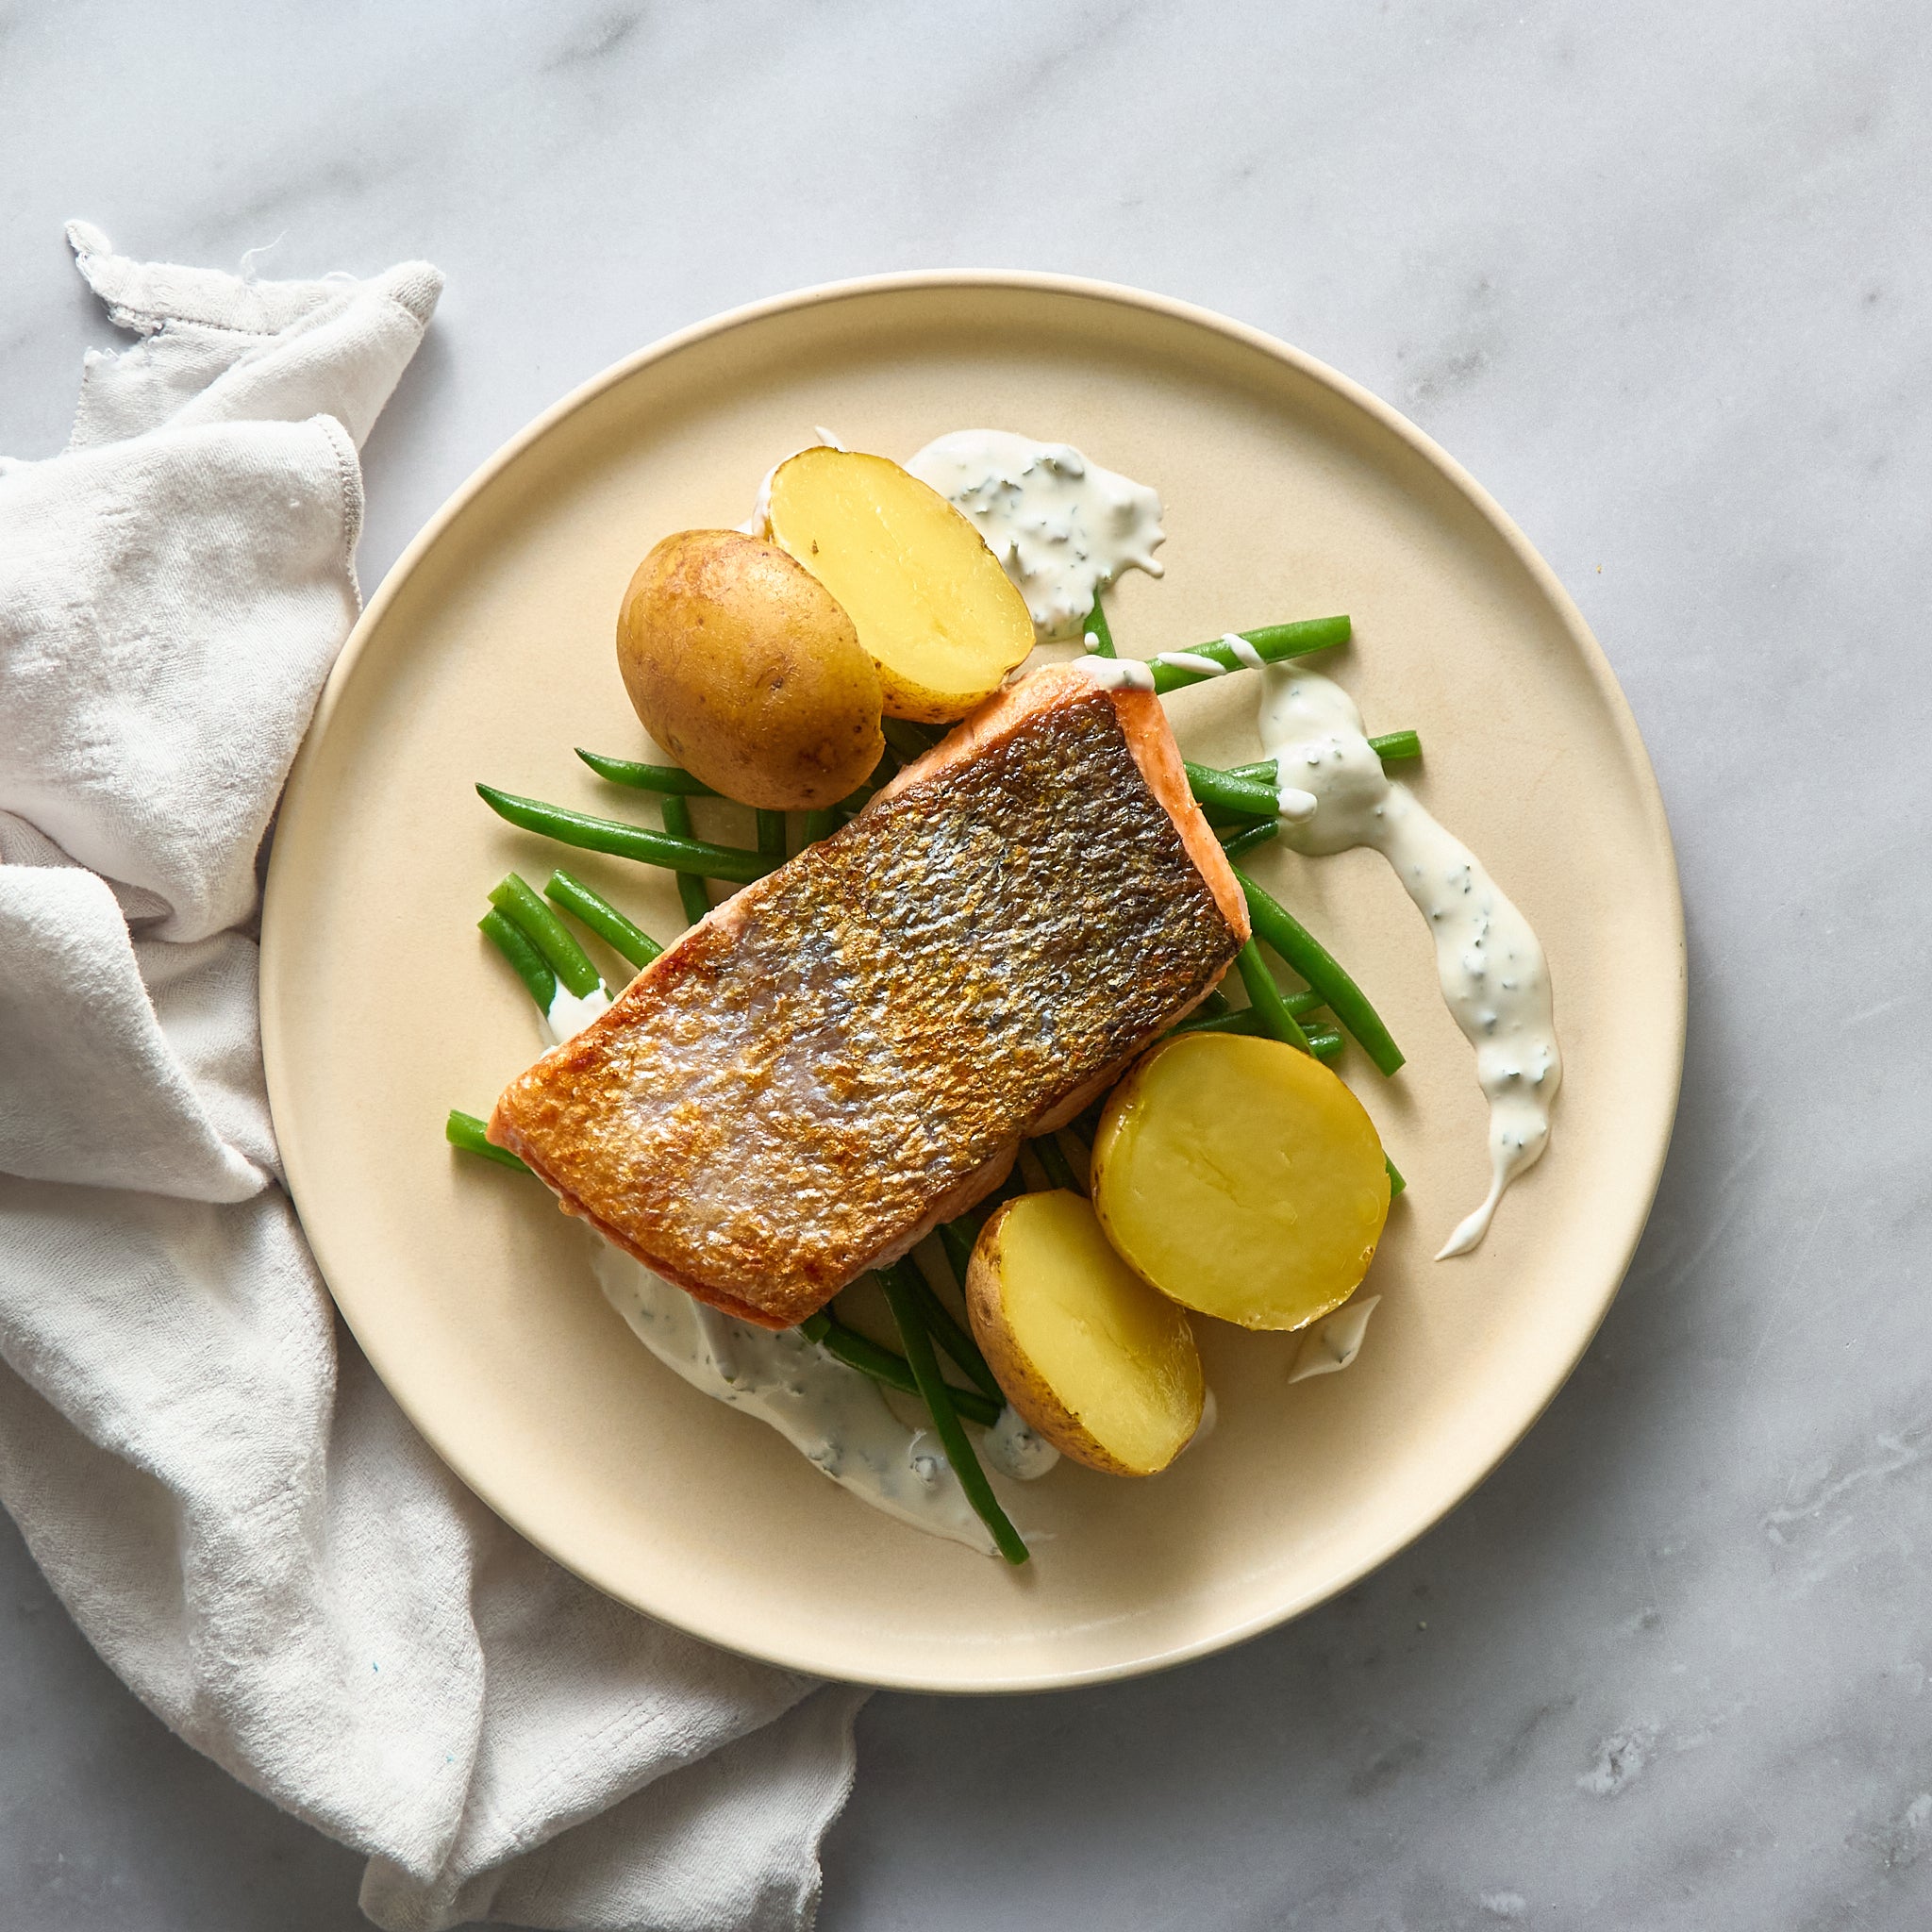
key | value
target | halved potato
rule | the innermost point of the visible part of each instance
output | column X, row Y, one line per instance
column 935, row 611
column 1095, row 1360
column 744, row 669
column 1241, row 1178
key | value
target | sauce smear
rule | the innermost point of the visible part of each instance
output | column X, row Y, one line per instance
column 1062, row 527
column 1490, row 963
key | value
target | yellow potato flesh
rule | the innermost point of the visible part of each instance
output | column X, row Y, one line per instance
column 933, row 611
column 1097, row 1362
column 1241, row 1178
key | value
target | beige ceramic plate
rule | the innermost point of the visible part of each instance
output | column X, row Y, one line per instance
column 487, row 654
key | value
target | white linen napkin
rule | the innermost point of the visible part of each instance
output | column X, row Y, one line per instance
column 228, row 1502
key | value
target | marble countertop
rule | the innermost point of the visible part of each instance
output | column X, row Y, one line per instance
column 1658, row 274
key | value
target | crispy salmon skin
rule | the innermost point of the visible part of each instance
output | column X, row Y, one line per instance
column 851, row 1049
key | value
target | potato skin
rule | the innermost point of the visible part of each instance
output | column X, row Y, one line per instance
column 1021, row 1383
column 745, row 669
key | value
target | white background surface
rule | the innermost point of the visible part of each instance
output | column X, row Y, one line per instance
column 1658, row 274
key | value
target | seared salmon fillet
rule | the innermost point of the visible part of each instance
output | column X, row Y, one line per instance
column 850, row 1050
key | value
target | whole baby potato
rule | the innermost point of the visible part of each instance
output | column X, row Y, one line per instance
column 747, row 671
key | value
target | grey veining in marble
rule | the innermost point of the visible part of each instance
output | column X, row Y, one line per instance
column 1658, row 274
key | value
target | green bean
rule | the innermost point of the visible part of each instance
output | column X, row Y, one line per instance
column 905, row 737
column 645, row 777
column 1034, row 1178
column 1324, row 1042
column 1396, row 1184
column 946, row 1418
column 949, row 1333
column 1102, row 637
column 691, row 894
column 1392, row 747
column 1265, row 1000
column 626, row 841
column 530, row 965
column 882, row 774
column 1242, row 1019
column 1052, row 1157
column 1244, row 841
column 1227, row 822
column 1077, row 1150
column 1214, row 1006
column 1273, row 642
column 822, row 824
column 603, row 918
column 466, row 1131
column 1323, row 973
column 961, row 1235
column 1209, row 1018
column 513, row 898
column 1008, row 1190
column 956, row 1238
column 860, row 1352
column 771, row 833
column 1226, row 792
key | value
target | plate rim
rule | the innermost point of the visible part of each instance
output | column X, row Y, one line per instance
column 815, row 295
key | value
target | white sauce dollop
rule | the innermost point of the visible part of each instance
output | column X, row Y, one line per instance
column 1011, row 1448
column 1493, row 976
column 1063, row 528
column 1211, row 1414
column 1192, row 660
column 834, row 1416
column 569, row 1014
column 1117, row 673
column 1335, row 1342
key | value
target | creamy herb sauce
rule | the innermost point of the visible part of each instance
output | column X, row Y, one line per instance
column 569, row 1014
column 1192, row 660
column 1063, row 528
column 1244, row 654
column 1211, row 1414
column 1491, row 969
column 1336, row 1342
column 1296, row 805
column 1013, row 1449
column 834, row 1416
column 1117, row 673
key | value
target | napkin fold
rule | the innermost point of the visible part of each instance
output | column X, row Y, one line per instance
column 224, row 1497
